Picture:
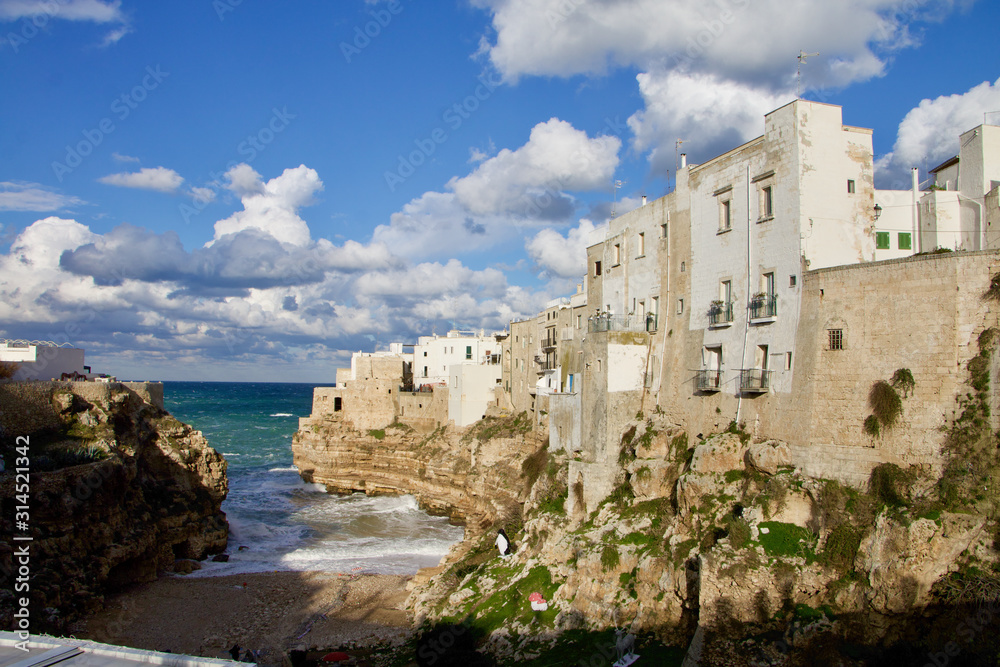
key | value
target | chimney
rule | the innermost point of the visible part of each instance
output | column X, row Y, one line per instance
column 644, row 200
column 684, row 160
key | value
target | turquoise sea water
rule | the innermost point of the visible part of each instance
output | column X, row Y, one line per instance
column 276, row 521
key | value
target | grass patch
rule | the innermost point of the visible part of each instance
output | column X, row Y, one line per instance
column 841, row 547
column 498, row 427
column 511, row 603
column 377, row 433
column 785, row 540
column 609, row 557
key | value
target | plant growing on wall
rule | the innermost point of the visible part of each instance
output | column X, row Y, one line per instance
column 886, row 407
column 7, row 369
column 903, row 380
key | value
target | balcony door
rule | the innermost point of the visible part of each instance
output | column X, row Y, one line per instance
column 761, row 358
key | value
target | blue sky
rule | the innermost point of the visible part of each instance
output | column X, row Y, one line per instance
column 246, row 190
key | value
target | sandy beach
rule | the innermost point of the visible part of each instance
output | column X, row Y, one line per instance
column 271, row 612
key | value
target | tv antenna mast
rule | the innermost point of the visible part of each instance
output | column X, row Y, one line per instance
column 798, row 71
column 616, row 185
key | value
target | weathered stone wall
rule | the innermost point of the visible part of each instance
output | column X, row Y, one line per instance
column 27, row 407
column 924, row 313
column 424, row 410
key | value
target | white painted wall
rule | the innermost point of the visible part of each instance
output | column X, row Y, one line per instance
column 43, row 362
column 471, row 390
column 896, row 219
column 438, row 353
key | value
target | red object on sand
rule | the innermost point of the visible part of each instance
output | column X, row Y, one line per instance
column 336, row 656
column 536, row 597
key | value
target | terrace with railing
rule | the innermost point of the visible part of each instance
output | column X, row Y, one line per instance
column 755, row 380
column 604, row 322
column 708, row 380
column 764, row 307
column 720, row 314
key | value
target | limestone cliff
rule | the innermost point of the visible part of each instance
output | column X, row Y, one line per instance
column 119, row 490
column 723, row 541
column 472, row 475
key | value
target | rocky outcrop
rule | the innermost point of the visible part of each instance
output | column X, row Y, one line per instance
column 725, row 538
column 119, row 491
column 472, row 475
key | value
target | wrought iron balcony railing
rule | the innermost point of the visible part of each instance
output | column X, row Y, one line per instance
column 708, row 380
column 764, row 307
column 720, row 314
column 600, row 323
column 755, row 380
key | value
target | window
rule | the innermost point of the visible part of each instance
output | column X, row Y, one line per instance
column 760, row 359
column 904, row 241
column 836, row 338
column 337, row 404
column 597, row 269
column 726, row 291
column 881, row 240
column 725, row 215
column 850, row 186
column 468, row 351
column 425, row 353
column 598, row 365
column 680, row 306
column 642, row 244
column 663, row 231
column 792, row 280
column 767, row 283
column 425, row 371
column 683, row 267
column 788, row 361
column 766, row 203
column 579, row 321
column 618, row 254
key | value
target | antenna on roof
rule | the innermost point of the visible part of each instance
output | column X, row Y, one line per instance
column 798, row 72
column 615, row 186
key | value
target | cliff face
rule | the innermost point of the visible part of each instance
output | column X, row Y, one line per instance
column 119, row 490
column 471, row 475
column 722, row 541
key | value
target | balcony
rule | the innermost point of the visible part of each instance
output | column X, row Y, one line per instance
column 600, row 323
column 755, row 380
column 549, row 342
column 708, row 380
column 720, row 314
column 764, row 307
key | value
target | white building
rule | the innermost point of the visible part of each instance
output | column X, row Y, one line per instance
column 434, row 355
column 42, row 360
column 799, row 197
column 471, row 388
column 955, row 210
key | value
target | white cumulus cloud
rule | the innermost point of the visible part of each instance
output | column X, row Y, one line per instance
column 271, row 207
column 557, row 157
column 563, row 256
column 710, row 114
column 928, row 134
column 159, row 179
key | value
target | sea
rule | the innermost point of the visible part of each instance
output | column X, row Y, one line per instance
column 277, row 521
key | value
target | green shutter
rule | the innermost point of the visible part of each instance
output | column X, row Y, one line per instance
column 881, row 240
column 904, row 241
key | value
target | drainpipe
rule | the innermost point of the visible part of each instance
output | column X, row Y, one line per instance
column 914, row 177
column 746, row 325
